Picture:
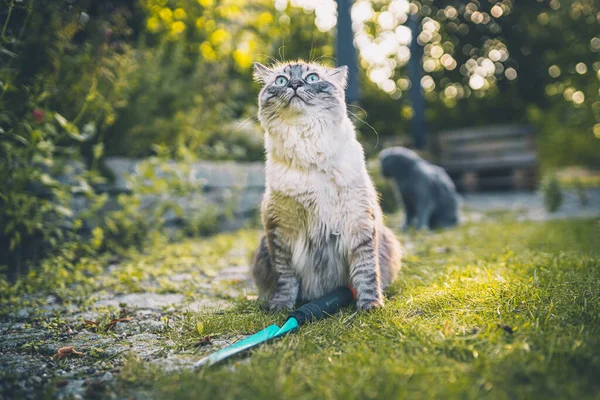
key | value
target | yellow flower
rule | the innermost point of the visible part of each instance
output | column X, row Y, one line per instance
column 210, row 25
column 153, row 24
column 109, row 119
column 242, row 59
column 251, row 44
column 180, row 13
column 264, row 18
column 207, row 51
column 97, row 237
column 177, row 27
column 200, row 22
column 206, row 3
column 230, row 11
column 166, row 14
column 219, row 36
column 407, row 112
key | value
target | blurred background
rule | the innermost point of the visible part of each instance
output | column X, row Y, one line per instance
column 113, row 113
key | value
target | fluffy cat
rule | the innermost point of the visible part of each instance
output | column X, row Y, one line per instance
column 320, row 211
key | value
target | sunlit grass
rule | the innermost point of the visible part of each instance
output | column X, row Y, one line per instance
column 503, row 310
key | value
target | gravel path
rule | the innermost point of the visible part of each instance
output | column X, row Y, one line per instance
column 530, row 205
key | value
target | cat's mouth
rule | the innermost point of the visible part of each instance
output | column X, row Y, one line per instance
column 296, row 97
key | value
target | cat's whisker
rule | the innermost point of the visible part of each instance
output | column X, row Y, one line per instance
column 271, row 58
column 282, row 52
column 246, row 122
column 367, row 124
column 323, row 56
column 312, row 48
column 357, row 106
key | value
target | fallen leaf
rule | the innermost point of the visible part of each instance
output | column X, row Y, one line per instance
column 65, row 352
column 94, row 388
column 205, row 341
column 62, row 383
column 114, row 322
column 447, row 330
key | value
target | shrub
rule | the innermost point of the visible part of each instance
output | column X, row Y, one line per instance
column 56, row 99
column 551, row 190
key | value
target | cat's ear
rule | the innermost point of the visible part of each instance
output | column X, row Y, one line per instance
column 340, row 75
column 261, row 73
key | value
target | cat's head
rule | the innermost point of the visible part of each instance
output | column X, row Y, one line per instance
column 301, row 90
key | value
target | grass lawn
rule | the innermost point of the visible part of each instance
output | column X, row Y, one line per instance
column 495, row 310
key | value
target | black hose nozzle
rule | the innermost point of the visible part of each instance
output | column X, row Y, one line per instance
column 325, row 306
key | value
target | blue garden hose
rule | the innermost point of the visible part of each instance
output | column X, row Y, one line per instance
column 313, row 311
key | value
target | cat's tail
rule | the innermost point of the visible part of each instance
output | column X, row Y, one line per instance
column 263, row 272
column 390, row 256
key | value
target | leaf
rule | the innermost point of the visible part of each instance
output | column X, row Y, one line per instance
column 47, row 180
column 98, row 150
column 65, row 352
column 9, row 53
column 64, row 211
column 62, row 121
column 205, row 341
column 114, row 322
column 506, row 328
column 21, row 139
column 89, row 130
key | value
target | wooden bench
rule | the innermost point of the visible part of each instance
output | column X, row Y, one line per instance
column 487, row 158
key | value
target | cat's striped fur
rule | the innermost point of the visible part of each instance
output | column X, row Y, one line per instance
column 323, row 223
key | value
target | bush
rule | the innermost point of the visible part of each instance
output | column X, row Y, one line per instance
column 553, row 197
column 58, row 84
column 39, row 183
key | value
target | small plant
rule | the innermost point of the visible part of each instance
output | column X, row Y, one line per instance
column 553, row 196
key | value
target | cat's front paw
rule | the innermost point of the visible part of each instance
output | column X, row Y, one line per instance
column 369, row 304
column 277, row 306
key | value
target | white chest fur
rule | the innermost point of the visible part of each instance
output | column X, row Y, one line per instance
column 323, row 169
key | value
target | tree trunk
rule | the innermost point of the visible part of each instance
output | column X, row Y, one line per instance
column 345, row 51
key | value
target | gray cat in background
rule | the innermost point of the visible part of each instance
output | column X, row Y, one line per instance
column 429, row 195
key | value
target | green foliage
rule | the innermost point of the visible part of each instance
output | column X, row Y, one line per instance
column 39, row 186
column 191, row 89
column 551, row 190
column 81, row 80
column 55, row 103
column 565, row 136
column 156, row 191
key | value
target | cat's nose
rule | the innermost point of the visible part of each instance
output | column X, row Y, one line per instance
column 295, row 83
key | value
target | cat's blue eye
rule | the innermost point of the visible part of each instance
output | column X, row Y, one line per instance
column 312, row 78
column 281, row 80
